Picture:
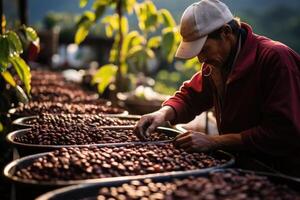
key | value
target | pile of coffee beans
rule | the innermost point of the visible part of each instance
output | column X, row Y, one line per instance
column 46, row 75
column 72, row 134
column 35, row 108
column 55, row 83
column 90, row 163
column 56, row 94
column 229, row 185
column 31, row 121
column 81, row 120
column 42, row 77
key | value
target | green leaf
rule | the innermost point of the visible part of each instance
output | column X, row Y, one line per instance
column 124, row 24
column 168, row 44
column 104, row 76
column 152, row 22
column 87, row 16
column 141, row 11
column 124, row 68
column 4, row 53
column 83, row 3
column 152, row 16
column 21, row 96
column 133, row 38
column 84, row 25
column 129, row 5
column 154, row 42
column 81, row 33
column 151, row 7
column 1, row 127
column 150, row 53
column 168, row 20
column 8, row 78
column 137, row 56
column 135, row 51
column 113, row 56
column 31, row 34
column 109, row 30
column 15, row 45
column 98, row 3
column 147, row 16
column 23, row 71
column 111, row 24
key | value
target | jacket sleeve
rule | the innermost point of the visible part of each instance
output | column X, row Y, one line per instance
column 279, row 131
column 193, row 97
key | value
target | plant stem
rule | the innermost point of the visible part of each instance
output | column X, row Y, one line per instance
column 23, row 11
column 1, row 17
column 119, row 64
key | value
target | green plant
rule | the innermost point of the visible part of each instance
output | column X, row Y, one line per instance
column 12, row 45
column 11, row 48
column 131, row 49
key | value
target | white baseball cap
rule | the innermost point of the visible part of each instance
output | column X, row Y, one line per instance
column 197, row 21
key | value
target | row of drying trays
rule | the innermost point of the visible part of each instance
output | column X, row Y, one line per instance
column 89, row 188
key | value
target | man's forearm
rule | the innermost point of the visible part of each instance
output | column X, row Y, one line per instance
column 229, row 142
column 169, row 113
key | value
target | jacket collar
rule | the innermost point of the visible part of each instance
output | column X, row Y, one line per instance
column 246, row 57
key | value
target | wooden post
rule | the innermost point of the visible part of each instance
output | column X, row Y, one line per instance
column 120, row 77
column 1, row 17
column 23, row 11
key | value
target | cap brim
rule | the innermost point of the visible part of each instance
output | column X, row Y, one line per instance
column 187, row 50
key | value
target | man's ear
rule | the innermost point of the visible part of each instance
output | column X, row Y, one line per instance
column 226, row 30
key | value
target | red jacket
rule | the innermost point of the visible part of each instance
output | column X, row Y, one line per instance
column 262, row 99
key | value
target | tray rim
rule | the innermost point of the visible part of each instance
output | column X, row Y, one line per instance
column 10, row 138
column 114, row 183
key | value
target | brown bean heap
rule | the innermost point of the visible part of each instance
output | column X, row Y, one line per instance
column 229, row 185
column 83, row 119
column 55, row 83
column 90, row 163
column 35, row 108
column 31, row 121
column 59, row 94
column 73, row 134
column 41, row 77
column 46, row 75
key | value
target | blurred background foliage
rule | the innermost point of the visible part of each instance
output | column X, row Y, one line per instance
column 277, row 19
column 156, row 38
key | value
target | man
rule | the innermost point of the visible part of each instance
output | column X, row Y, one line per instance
column 252, row 82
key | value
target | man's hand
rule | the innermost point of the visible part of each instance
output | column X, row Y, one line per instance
column 192, row 141
column 149, row 122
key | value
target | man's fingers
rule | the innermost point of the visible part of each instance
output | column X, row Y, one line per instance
column 179, row 141
column 141, row 128
column 185, row 145
column 151, row 128
column 184, row 137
